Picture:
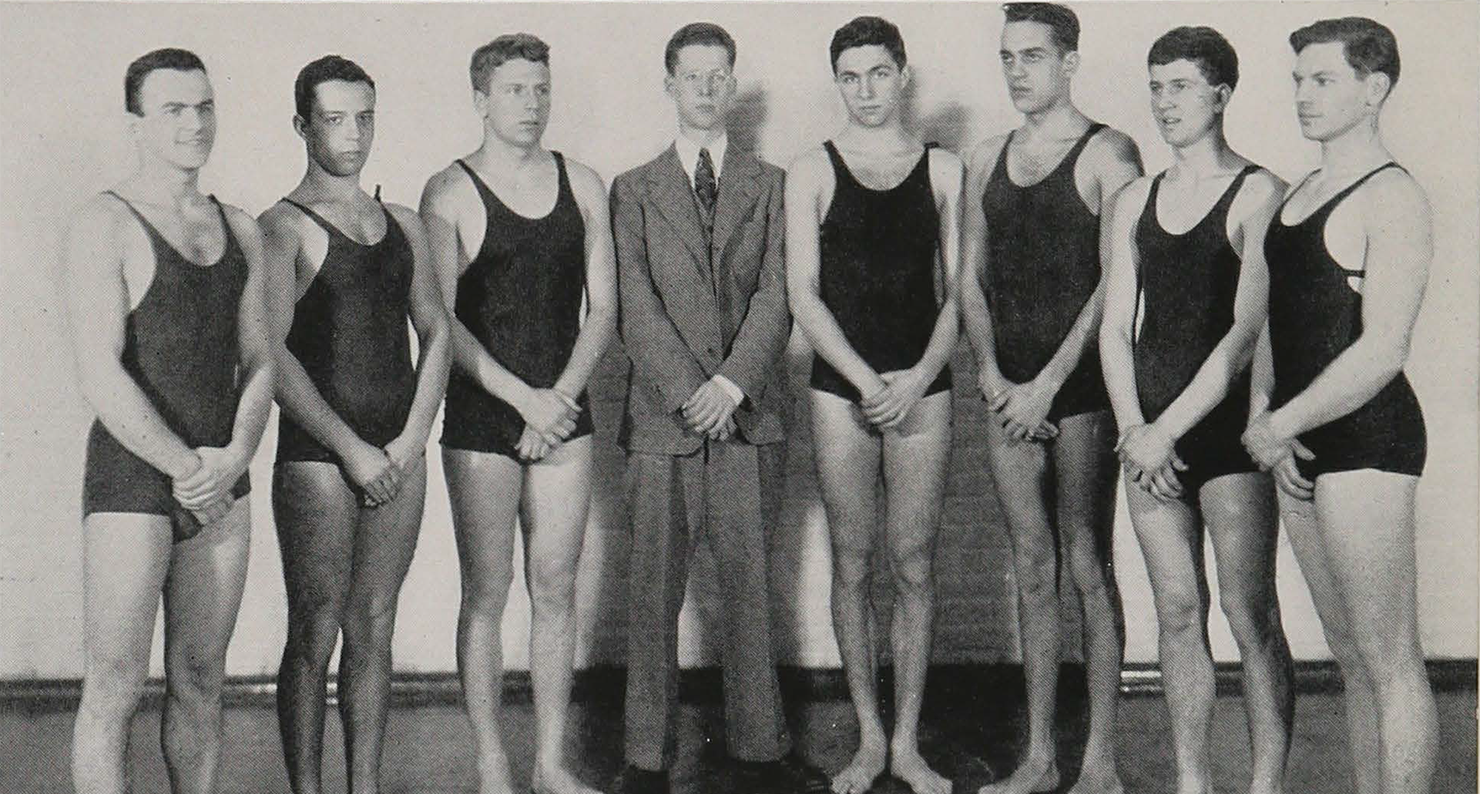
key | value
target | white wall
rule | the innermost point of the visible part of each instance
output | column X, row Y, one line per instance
column 61, row 140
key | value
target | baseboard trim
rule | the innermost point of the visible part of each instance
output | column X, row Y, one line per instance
column 606, row 683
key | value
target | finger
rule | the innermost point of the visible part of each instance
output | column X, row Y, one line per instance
column 1166, row 484
column 1301, row 451
column 998, row 402
column 1298, row 479
column 570, row 402
column 1177, row 464
column 1287, row 483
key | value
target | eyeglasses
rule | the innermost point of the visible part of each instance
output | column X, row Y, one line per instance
column 706, row 78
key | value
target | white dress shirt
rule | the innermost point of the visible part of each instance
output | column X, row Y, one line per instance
column 688, row 157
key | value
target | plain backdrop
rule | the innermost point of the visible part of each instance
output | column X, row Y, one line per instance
column 62, row 139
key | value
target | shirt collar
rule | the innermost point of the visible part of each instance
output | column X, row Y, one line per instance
column 688, row 154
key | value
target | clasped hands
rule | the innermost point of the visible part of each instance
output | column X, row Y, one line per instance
column 710, row 411
column 206, row 490
column 1021, row 409
column 549, row 419
column 889, row 404
column 1276, row 451
column 1149, row 457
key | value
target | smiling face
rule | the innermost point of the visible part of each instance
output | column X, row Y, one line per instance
column 342, row 126
column 702, row 86
column 177, row 119
column 871, row 84
column 1036, row 71
column 1330, row 97
column 516, row 105
column 1185, row 106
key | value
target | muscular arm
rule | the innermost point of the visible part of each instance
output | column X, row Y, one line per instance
column 662, row 361
column 946, row 173
column 1399, row 248
column 976, row 316
column 253, row 344
column 767, row 324
column 97, row 301
column 1117, row 328
column 601, row 290
column 429, row 318
column 296, row 392
column 806, row 182
column 1119, row 163
column 1234, row 351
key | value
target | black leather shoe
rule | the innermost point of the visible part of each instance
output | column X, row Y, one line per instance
column 788, row 775
column 636, row 780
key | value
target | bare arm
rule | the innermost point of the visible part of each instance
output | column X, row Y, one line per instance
column 806, row 182
column 946, row 173
column 976, row 315
column 1117, row 328
column 253, row 344
column 601, row 288
column 429, row 318
column 1399, row 248
column 98, row 305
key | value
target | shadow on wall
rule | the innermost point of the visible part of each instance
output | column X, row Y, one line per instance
column 747, row 118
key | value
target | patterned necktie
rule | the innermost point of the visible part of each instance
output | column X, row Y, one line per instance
column 704, row 185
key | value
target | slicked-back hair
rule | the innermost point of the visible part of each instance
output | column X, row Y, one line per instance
column 866, row 31
column 1370, row 46
column 697, row 33
column 166, row 58
column 1062, row 23
column 1201, row 45
column 323, row 70
column 505, row 48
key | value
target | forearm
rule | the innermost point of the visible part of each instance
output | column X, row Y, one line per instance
column 301, row 401
column 595, row 336
column 1117, row 359
column 942, row 341
column 1354, row 378
column 1210, row 384
column 977, row 319
column 254, row 406
column 828, row 341
column 469, row 356
column 1078, row 340
column 432, row 366
column 132, row 420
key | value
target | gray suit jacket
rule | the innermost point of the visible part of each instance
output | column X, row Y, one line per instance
column 679, row 325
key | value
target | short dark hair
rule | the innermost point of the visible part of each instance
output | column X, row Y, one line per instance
column 697, row 33
column 323, row 70
column 1370, row 46
column 865, row 31
column 166, row 58
column 1061, row 21
column 505, row 48
column 1201, row 45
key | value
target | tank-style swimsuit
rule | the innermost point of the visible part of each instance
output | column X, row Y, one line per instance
column 180, row 347
column 1044, row 265
column 1315, row 314
column 877, row 273
column 1189, row 282
column 521, row 298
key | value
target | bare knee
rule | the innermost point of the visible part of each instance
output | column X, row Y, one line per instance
column 852, row 570
column 1179, row 611
column 1036, row 570
column 112, row 688
column 484, row 596
column 313, row 632
column 1253, row 616
column 1091, row 574
column 910, row 570
column 552, row 584
column 195, row 678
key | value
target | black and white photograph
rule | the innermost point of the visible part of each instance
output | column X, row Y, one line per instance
column 750, row 397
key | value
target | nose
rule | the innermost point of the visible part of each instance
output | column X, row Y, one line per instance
column 866, row 88
column 706, row 87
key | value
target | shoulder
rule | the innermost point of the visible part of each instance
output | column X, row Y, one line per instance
column 983, row 157
column 1135, row 193
column 584, row 180
column 99, row 231
column 448, row 185
column 1261, row 188
column 103, row 212
column 281, row 219
column 244, row 226
column 810, row 168
column 944, row 164
column 1393, row 197
column 1110, row 145
column 770, row 174
column 633, row 179
column 405, row 216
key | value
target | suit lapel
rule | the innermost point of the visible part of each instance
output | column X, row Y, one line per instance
column 737, row 192
column 675, row 201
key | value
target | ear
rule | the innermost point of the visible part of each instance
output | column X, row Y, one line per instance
column 906, row 75
column 1071, row 62
column 1378, row 86
column 300, row 125
column 480, row 103
column 1224, row 95
column 670, row 85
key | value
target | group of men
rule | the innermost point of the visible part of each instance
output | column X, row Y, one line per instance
column 1244, row 353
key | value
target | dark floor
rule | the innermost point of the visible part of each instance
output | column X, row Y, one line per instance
column 429, row 748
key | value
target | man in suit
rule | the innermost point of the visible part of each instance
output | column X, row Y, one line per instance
column 699, row 238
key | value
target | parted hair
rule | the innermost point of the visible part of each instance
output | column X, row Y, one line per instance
column 505, row 48
column 1370, row 46
column 323, row 70
column 864, row 31
column 166, row 58
column 697, row 33
column 1061, row 21
column 1201, row 45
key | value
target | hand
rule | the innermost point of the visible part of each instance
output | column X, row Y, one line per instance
column 219, row 469
column 1287, row 474
column 709, row 409
column 1022, row 410
column 532, row 446
column 1147, row 449
column 403, row 450
column 724, row 431
column 1265, row 443
column 372, row 469
column 890, row 406
column 552, row 413
column 213, row 511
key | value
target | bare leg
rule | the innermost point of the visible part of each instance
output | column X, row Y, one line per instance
column 1299, row 518
column 315, row 513
column 1170, row 533
column 384, row 543
column 1240, row 513
column 125, row 559
column 915, row 459
column 1020, row 473
column 557, row 498
column 484, row 488
column 202, row 593
column 1366, row 520
column 1086, row 468
column 848, row 454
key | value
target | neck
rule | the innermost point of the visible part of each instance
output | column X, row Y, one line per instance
column 1357, row 148
column 1206, row 156
column 498, row 151
column 330, row 186
column 166, row 183
column 1060, row 114
column 701, row 137
column 885, row 136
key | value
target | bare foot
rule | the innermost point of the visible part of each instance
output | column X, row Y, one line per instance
column 1031, row 776
column 493, row 775
column 907, row 765
column 1098, row 778
column 557, row 780
column 860, row 773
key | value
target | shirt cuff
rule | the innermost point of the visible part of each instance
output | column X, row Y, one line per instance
column 730, row 388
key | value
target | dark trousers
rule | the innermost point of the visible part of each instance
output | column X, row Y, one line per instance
column 728, row 494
